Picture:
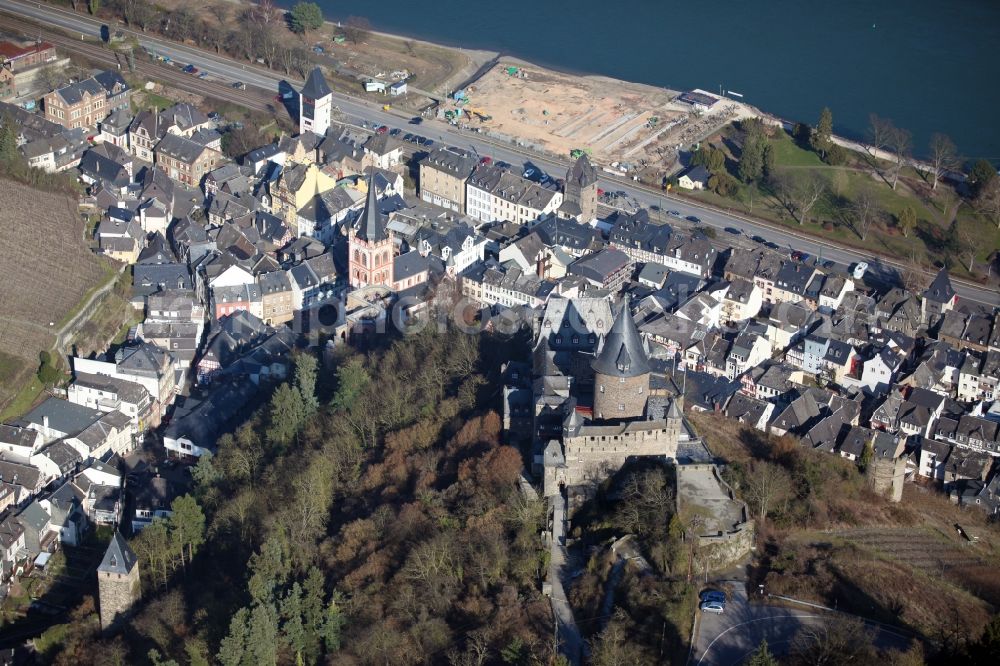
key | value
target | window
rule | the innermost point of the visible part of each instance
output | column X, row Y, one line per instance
column 621, row 380
column 602, row 388
column 621, row 406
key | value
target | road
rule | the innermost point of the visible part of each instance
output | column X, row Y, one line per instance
column 728, row 639
column 356, row 110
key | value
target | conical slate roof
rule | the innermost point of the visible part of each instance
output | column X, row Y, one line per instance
column 582, row 172
column 119, row 558
column 623, row 354
column 316, row 86
column 940, row 290
column 371, row 226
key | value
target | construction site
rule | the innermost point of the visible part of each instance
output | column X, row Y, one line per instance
column 626, row 126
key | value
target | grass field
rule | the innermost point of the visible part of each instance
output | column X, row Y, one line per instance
column 49, row 270
column 830, row 218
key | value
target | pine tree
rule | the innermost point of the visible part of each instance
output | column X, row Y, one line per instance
column 233, row 648
column 823, row 134
column 306, row 369
column 292, row 628
column 314, row 616
column 286, row 414
column 867, row 455
column 187, row 525
column 333, row 625
column 262, row 636
column 762, row 657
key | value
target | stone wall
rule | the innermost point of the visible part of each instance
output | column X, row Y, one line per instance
column 615, row 399
column 117, row 593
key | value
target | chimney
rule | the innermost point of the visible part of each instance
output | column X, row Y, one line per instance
column 45, row 423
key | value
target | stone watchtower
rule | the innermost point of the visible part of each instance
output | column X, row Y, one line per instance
column 315, row 104
column 370, row 246
column 581, row 188
column 118, row 582
column 621, row 371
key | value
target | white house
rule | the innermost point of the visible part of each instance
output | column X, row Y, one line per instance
column 695, row 178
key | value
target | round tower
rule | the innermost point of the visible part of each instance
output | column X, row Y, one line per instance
column 621, row 371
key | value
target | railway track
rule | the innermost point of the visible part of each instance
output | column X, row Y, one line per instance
column 252, row 98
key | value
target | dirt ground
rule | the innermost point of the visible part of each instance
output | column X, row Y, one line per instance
column 556, row 112
column 48, row 269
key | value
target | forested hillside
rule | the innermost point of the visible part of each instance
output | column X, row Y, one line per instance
column 367, row 514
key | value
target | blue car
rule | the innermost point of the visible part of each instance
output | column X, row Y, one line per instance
column 713, row 595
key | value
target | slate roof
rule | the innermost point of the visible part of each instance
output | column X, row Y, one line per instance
column 582, row 173
column 180, row 148
column 371, row 225
column 316, row 85
column 453, row 161
column 940, row 290
column 63, row 416
column 623, row 353
column 407, row 265
column 119, row 558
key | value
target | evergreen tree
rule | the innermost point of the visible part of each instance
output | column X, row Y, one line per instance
column 762, row 657
column 769, row 166
column 262, row 636
column 205, row 473
column 233, row 648
column 751, row 166
column 981, row 175
column 187, row 525
column 305, row 16
column 823, row 134
column 8, row 139
column 286, row 414
column 314, row 616
column 907, row 220
column 867, row 455
column 292, row 629
column 333, row 624
column 270, row 568
column 306, row 369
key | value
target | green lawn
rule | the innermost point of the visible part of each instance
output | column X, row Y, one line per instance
column 24, row 399
column 830, row 217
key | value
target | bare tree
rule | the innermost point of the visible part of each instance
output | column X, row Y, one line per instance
column 357, row 29
column 912, row 275
column 835, row 641
column 803, row 194
column 968, row 245
column 864, row 211
column 988, row 201
column 944, row 157
column 900, row 142
column 220, row 10
column 767, row 484
column 879, row 130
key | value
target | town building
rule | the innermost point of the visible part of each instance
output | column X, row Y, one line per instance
column 370, row 247
column 118, row 582
column 443, row 174
column 315, row 104
column 88, row 102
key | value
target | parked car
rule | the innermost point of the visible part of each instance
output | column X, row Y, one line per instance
column 758, row 239
column 416, row 120
column 674, row 213
column 428, row 143
column 800, row 256
column 712, row 607
column 692, row 218
column 713, row 595
column 395, row 132
column 191, row 69
column 239, row 85
column 860, row 269
column 203, row 75
column 486, row 161
column 381, row 129
column 213, row 115
column 733, row 230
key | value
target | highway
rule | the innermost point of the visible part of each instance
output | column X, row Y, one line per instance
column 355, row 110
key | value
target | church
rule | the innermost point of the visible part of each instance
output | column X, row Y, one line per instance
column 595, row 406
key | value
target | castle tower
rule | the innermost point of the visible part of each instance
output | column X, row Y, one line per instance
column 370, row 246
column 315, row 104
column 581, row 187
column 621, row 371
column 117, row 582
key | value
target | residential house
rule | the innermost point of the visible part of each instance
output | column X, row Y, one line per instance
column 87, row 102
column 443, row 174
column 494, row 193
column 607, row 269
column 938, row 299
column 106, row 394
column 743, row 300
column 185, row 160
column 695, row 178
column 383, row 151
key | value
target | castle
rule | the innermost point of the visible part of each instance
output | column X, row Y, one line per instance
column 594, row 407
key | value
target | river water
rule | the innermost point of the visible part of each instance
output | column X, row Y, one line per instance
column 931, row 66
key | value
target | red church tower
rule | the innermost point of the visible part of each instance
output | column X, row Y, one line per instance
column 370, row 246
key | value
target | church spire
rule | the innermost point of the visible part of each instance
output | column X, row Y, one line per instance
column 371, row 226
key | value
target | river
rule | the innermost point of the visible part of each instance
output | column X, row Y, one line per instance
column 930, row 66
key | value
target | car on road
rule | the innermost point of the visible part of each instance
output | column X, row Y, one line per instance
column 860, row 269
column 674, row 213
column 416, row 120
column 758, row 239
column 733, row 230
column 191, row 69
column 712, row 607
column 713, row 595
column 771, row 245
column 692, row 218
column 239, row 85
column 381, row 129
column 203, row 75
